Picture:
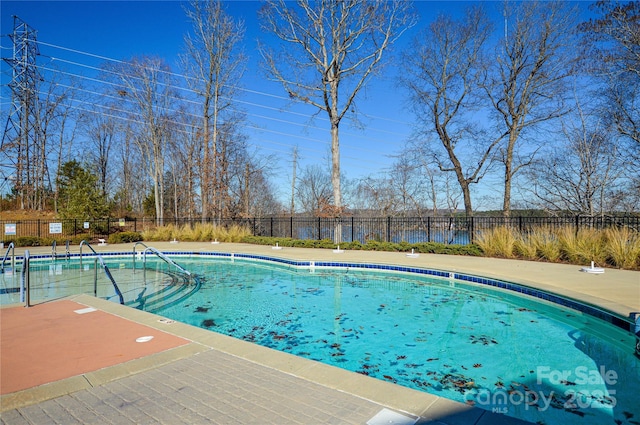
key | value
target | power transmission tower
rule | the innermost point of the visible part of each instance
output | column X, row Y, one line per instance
column 19, row 135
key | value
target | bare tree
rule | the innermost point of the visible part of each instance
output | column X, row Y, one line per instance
column 214, row 65
column 527, row 86
column 444, row 70
column 101, row 130
column 130, row 174
column 146, row 91
column 613, row 38
column 434, row 182
column 313, row 190
column 583, row 174
column 186, row 148
column 331, row 48
column 250, row 187
column 612, row 41
column 374, row 197
column 37, row 154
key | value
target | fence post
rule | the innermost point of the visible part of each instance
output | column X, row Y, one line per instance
column 577, row 224
column 271, row 231
column 428, row 229
column 135, row 224
column 520, row 224
column 319, row 230
column 389, row 229
column 95, row 277
column 352, row 230
column 471, row 230
column 39, row 228
column 291, row 226
column 27, row 284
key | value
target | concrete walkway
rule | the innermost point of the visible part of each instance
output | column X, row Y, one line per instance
column 218, row 379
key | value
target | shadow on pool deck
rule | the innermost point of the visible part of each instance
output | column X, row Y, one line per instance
column 61, row 366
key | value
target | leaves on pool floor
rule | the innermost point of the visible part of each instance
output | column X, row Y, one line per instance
column 483, row 339
column 208, row 323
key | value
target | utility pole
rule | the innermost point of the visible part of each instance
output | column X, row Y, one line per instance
column 18, row 140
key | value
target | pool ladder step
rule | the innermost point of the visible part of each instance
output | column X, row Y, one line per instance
column 175, row 289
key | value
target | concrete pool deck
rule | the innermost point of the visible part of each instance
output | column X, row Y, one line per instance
column 205, row 377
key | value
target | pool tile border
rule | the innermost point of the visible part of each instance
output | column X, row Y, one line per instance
column 591, row 310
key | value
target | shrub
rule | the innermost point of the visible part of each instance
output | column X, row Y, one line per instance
column 27, row 241
column 525, row 246
column 568, row 242
column 497, row 242
column 546, row 242
column 161, row 233
column 582, row 247
column 592, row 246
column 125, row 237
column 197, row 233
column 355, row 245
column 623, row 247
column 234, row 233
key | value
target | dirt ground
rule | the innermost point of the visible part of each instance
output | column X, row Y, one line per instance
column 25, row 215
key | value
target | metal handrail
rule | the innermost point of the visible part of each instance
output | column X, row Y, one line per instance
column 11, row 248
column 134, row 253
column 25, row 294
column 84, row 242
column 53, row 250
column 165, row 258
column 104, row 267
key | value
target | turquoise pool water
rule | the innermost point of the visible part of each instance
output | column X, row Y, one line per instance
column 467, row 342
column 473, row 344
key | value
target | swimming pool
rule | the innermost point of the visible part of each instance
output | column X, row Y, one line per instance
column 461, row 340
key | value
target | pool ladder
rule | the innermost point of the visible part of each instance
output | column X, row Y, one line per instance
column 159, row 255
column 10, row 249
column 54, row 255
column 107, row 272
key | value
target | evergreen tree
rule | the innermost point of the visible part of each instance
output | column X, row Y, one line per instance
column 79, row 194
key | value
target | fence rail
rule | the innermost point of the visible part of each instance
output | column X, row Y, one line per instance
column 448, row 230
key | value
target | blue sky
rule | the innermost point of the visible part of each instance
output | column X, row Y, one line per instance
column 123, row 29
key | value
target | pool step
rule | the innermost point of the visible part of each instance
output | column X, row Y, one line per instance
column 175, row 288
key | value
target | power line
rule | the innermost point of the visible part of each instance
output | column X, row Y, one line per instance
column 131, row 116
column 369, row 138
column 258, row 92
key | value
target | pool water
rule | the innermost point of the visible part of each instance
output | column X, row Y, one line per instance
column 477, row 345
column 467, row 342
column 154, row 286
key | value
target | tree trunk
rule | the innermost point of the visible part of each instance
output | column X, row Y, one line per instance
column 508, row 176
column 204, row 169
column 335, row 166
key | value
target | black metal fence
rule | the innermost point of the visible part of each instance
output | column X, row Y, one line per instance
column 448, row 230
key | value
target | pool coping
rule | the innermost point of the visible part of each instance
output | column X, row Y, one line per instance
column 574, row 301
